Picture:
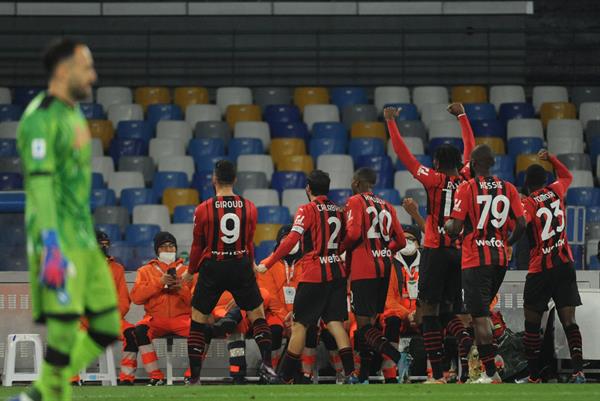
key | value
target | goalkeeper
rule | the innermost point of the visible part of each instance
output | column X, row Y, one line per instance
column 69, row 275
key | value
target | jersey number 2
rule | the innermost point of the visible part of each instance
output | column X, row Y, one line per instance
column 380, row 224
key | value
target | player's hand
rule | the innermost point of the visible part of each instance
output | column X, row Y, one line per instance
column 289, row 319
column 411, row 318
column 262, row 269
column 456, row 109
column 543, row 155
column 167, row 280
column 411, row 206
column 187, row 277
column 54, row 263
column 390, row 113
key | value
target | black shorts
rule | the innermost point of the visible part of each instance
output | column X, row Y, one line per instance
column 558, row 284
column 327, row 301
column 440, row 277
column 369, row 295
column 481, row 284
column 235, row 276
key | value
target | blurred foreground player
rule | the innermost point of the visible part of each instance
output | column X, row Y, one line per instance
column 69, row 276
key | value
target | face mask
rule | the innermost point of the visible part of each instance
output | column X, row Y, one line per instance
column 409, row 249
column 167, row 257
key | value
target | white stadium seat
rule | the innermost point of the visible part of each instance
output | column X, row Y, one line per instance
column 506, row 94
column 435, row 112
column 293, row 198
column 161, row 147
column 260, row 163
column 124, row 112
column 109, row 95
column 390, row 94
column 228, row 96
column 172, row 129
column 429, row 94
column 404, row 180
column 588, row 112
column 177, row 163
column 8, row 129
column 152, row 214
column 262, row 197
column 524, row 128
column 120, row 180
column 253, row 129
column 320, row 113
column 332, row 163
column 103, row 165
column 548, row 94
column 445, row 129
column 196, row 113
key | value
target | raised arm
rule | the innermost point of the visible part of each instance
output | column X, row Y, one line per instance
column 398, row 238
column 468, row 137
column 412, row 208
column 402, row 151
column 302, row 222
column 563, row 176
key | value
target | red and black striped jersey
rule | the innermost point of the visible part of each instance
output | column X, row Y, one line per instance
column 223, row 230
column 486, row 205
column 373, row 235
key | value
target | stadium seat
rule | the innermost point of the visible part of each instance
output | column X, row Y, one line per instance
column 582, row 178
column 576, row 161
column 244, row 146
column 582, row 196
column 112, row 230
column 593, row 231
column 213, row 129
column 170, row 129
column 494, row 128
column 272, row 95
column 340, row 179
column 304, row 96
column 22, row 95
column 435, row 112
column 109, row 95
column 589, row 112
column 362, row 129
column 567, row 128
column 408, row 111
column 283, row 180
column 348, row 96
column 184, row 234
column 8, row 129
column 266, row 232
column 302, row 163
column 290, row 130
column 173, row 197
column 419, row 195
column 403, row 180
column 102, row 197
column 163, row 112
column 8, row 147
column 565, row 145
column 177, row 163
column 584, row 94
column 293, row 199
column 263, row 163
column 282, row 113
column 11, row 165
column 98, row 181
column 160, row 147
column 120, row 180
column 383, row 166
column 263, row 250
column 250, row 180
column 131, row 197
column 500, row 94
column 142, row 164
column 152, row 214
column 504, row 167
column 149, row 95
column 229, row 96
column 242, row 112
column 594, row 146
column 5, row 96
column 556, row 111
column 412, row 129
column 282, row 148
column 437, row 142
column 389, row 194
column 168, row 179
column 480, row 111
column 469, row 94
column 138, row 234
column 335, row 162
column 315, row 113
column 103, row 130
column 331, row 131
column 103, row 165
column 524, row 128
column 423, row 95
column 254, row 129
column 445, row 129
column 512, row 111
column 262, row 196
column 366, row 146
column 10, row 112
column 497, row 144
column 124, row 112
column 97, row 149
column 203, row 147
column 358, row 113
column 196, row 113
column 390, row 94
column 92, row 111
column 112, row 215
column 184, row 213
column 518, row 145
column 548, row 94
column 326, row 146
column 525, row 160
column 592, row 214
column 340, row 196
column 188, row 95
column 592, row 261
column 135, row 130
column 273, row 215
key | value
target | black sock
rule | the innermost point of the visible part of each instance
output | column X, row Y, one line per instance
column 575, row 347
column 487, row 356
column 532, row 341
column 198, row 341
column 366, row 357
column 456, row 329
column 380, row 344
column 432, row 339
column 347, row 357
column 262, row 336
column 290, row 366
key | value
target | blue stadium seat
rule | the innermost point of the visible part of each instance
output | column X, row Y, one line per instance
column 143, row 253
column 13, row 229
column 127, row 147
column 131, row 197
column 348, row 96
column 409, row 111
column 23, row 95
column 423, row 159
column 437, row 142
column 11, row 181
column 263, row 250
column 274, row 215
column 102, row 197
column 208, row 163
column 135, row 129
column 201, row 179
column 281, row 113
column 244, row 146
column 330, row 130
column 326, row 146
column 92, row 111
column 207, row 192
column 366, row 147
column 184, row 214
column 594, row 263
column 200, row 148
column 583, row 196
column 340, row 196
column 8, row 147
column 112, row 230
column 282, row 180
column 517, row 146
column 509, row 111
column 11, row 202
column 98, row 181
column 158, row 112
column 138, row 234
column 592, row 214
column 504, row 167
column 578, row 255
column 382, row 165
column 480, row 111
column 594, row 146
column 123, row 253
column 168, row 179
column 296, row 129
column 10, row 112
column 493, row 128
column 389, row 194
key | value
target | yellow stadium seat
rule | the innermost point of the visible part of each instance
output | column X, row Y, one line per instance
column 469, row 94
column 147, row 95
column 266, row 232
column 185, row 96
column 173, row 197
column 497, row 144
column 366, row 129
column 103, row 130
column 310, row 95
column 558, row 110
column 282, row 148
column 526, row 160
column 242, row 112
column 302, row 163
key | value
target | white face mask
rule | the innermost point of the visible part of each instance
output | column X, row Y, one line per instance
column 409, row 249
column 167, row 257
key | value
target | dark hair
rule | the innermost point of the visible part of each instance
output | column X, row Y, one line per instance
column 162, row 238
column 225, row 172
column 318, row 181
column 57, row 51
column 535, row 177
column 448, row 156
column 102, row 236
column 366, row 175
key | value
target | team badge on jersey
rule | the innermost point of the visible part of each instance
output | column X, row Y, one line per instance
column 38, row 148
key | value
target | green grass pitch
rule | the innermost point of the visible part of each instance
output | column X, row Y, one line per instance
column 375, row 392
